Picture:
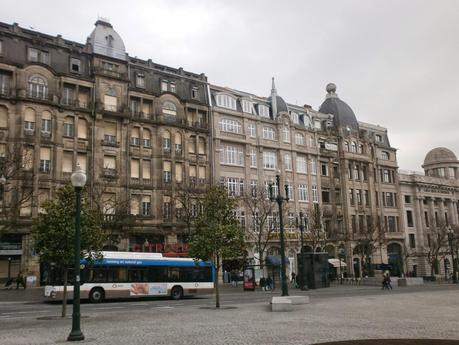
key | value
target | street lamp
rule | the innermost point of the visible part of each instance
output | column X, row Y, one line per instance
column 451, row 237
column 280, row 200
column 78, row 180
column 300, row 222
column 341, row 255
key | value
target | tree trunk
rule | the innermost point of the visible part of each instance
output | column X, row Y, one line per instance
column 217, row 289
column 64, row 297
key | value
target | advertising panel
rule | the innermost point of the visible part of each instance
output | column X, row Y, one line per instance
column 249, row 278
column 148, row 289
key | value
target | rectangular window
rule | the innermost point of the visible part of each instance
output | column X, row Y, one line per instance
column 135, row 134
column 82, row 161
column 75, row 65
column 45, row 159
column 426, row 219
column 46, row 125
column 230, row 126
column 409, row 218
column 303, row 193
column 286, row 134
column 326, row 196
column 167, row 172
column 288, row 162
column 263, row 110
column 407, row 199
column 1, row 47
column 356, row 172
column 269, row 133
column 313, row 167
column 301, row 165
column 246, row 106
column 67, row 162
column 351, row 197
column 110, row 163
column 146, row 170
column 253, row 158
column 164, row 85
column 172, row 87
column 252, row 130
column 315, row 193
column 392, row 223
column 232, row 155
column 110, row 103
column 146, row 205
column 36, row 55
column 324, row 169
column 367, row 198
column 412, row 241
column 4, row 84
column 358, row 194
column 269, row 160
column 135, row 168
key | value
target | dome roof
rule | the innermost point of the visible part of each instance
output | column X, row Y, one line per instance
column 106, row 41
column 343, row 114
column 281, row 105
column 440, row 155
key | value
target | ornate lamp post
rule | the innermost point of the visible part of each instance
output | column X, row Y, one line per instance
column 451, row 238
column 78, row 179
column 280, row 200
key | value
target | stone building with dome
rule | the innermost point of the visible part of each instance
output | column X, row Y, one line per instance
column 326, row 158
column 139, row 129
column 430, row 209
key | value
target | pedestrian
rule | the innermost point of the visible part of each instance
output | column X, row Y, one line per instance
column 293, row 281
column 386, row 285
column 233, row 279
column 269, row 283
column 263, row 283
column 20, row 280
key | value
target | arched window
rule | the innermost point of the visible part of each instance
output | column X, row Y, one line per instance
column 46, row 123
column 146, row 138
column 353, row 147
column 178, row 143
column 360, row 150
column 169, row 108
column 3, row 117
column 38, row 87
column 29, row 120
column 166, row 142
column 299, row 139
column 346, row 146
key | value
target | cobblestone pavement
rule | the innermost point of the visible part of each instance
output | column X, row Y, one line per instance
column 424, row 314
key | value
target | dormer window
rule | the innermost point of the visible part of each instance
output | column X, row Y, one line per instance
column 75, row 65
column 109, row 39
column 226, row 101
column 378, row 138
column 140, row 80
column 317, row 124
column 295, row 117
column 247, row 106
column 385, row 155
column 194, row 92
column 263, row 110
column 172, row 87
column 36, row 55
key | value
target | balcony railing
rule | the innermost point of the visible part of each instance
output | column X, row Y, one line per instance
column 110, row 107
column 110, row 173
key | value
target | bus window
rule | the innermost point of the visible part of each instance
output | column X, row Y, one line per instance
column 137, row 274
column 97, row 275
column 119, row 274
column 157, row 274
column 173, row 274
column 186, row 274
column 202, row 274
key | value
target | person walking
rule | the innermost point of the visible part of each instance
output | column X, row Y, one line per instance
column 293, row 281
column 20, row 280
column 263, row 283
column 269, row 283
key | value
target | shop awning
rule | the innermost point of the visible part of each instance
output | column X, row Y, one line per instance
column 336, row 263
column 275, row 260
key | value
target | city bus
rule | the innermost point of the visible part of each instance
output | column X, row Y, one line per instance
column 133, row 274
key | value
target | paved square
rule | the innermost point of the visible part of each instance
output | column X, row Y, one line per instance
column 425, row 314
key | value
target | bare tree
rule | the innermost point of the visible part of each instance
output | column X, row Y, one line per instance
column 17, row 177
column 260, row 228
column 316, row 235
column 367, row 240
column 437, row 243
column 188, row 204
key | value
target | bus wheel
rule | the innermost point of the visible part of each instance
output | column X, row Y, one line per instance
column 177, row 292
column 96, row 295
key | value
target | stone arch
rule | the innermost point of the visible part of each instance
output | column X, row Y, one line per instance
column 394, row 255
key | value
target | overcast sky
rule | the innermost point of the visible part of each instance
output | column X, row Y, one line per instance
column 396, row 63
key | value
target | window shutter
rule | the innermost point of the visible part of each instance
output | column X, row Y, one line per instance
column 135, row 168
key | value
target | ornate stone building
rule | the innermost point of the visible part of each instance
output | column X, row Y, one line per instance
column 430, row 206
column 139, row 129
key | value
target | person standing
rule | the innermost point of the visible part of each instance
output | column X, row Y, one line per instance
column 20, row 280
column 269, row 283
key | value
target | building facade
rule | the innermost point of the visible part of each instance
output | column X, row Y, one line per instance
column 152, row 137
column 430, row 204
column 139, row 130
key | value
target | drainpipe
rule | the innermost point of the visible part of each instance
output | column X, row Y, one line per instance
column 211, row 136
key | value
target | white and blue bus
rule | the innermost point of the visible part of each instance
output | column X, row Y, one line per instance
column 132, row 274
